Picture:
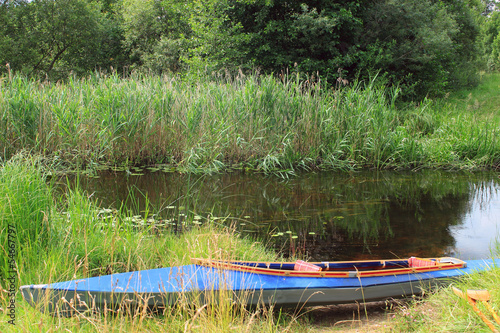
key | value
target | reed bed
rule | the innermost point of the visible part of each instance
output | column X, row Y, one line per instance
column 255, row 122
column 64, row 238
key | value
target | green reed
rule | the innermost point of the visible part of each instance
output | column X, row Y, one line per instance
column 257, row 122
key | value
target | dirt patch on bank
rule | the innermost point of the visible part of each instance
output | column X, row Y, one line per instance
column 366, row 317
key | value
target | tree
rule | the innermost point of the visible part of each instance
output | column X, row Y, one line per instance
column 156, row 32
column 426, row 46
column 54, row 37
column 490, row 40
column 9, row 50
column 275, row 35
column 63, row 33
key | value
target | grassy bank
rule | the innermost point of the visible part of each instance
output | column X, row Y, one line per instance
column 446, row 312
column 482, row 100
column 64, row 238
column 253, row 122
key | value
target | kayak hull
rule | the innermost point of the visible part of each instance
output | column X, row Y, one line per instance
column 199, row 285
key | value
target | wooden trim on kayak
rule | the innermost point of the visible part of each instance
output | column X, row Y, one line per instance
column 329, row 270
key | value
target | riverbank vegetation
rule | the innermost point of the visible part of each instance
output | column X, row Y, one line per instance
column 64, row 238
column 444, row 311
column 268, row 86
column 256, row 122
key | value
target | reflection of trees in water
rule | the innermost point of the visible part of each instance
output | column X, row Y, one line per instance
column 326, row 215
column 384, row 215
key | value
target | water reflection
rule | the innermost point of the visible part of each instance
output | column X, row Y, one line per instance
column 340, row 216
column 479, row 229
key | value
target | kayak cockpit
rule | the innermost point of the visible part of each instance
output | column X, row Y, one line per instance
column 337, row 268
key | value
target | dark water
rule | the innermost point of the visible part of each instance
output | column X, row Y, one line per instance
column 334, row 216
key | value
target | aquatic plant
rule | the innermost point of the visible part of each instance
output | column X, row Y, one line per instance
column 254, row 122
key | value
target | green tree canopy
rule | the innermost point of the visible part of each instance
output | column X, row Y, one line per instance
column 425, row 46
column 55, row 37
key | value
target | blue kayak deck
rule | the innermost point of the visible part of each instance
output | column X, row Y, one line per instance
column 192, row 278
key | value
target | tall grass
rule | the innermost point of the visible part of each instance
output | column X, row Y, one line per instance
column 25, row 208
column 256, row 122
column 65, row 238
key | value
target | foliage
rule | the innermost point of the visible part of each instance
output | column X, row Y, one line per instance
column 316, row 37
column 426, row 47
column 155, row 33
column 491, row 41
column 56, row 38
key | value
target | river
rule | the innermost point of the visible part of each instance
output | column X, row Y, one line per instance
column 324, row 216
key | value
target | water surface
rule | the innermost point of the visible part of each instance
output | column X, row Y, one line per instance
column 327, row 216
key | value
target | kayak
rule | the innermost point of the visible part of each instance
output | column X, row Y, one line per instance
column 252, row 283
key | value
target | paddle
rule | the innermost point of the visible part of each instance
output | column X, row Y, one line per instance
column 472, row 302
column 483, row 296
